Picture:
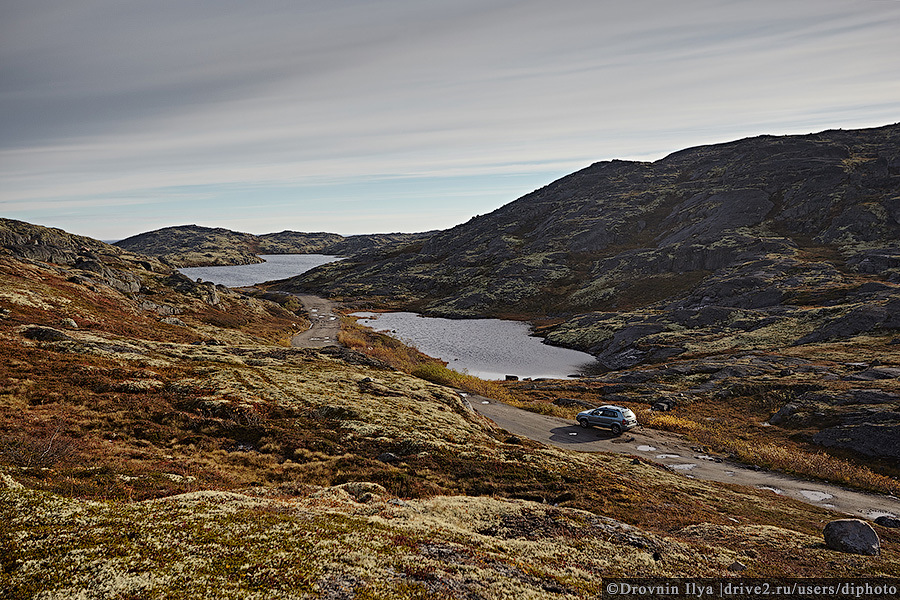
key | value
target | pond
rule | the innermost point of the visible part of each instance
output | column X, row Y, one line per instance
column 487, row 348
column 277, row 266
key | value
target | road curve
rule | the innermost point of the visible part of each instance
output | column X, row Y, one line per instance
column 325, row 323
column 678, row 455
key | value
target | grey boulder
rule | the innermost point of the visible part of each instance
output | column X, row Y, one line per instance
column 852, row 535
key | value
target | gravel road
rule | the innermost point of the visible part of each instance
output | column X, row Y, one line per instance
column 325, row 323
column 682, row 457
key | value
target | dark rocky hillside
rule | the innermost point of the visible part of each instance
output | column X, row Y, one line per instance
column 194, row 246
column 736, row 236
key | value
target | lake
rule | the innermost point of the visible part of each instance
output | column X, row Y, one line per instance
column 277, row 266
column 487, row 348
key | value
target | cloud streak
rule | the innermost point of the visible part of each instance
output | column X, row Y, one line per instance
column 103, row 98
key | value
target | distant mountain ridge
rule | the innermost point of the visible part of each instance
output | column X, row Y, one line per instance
column 193, row 245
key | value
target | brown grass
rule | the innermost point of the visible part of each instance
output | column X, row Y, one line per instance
column 437, row 373
column 383, row 347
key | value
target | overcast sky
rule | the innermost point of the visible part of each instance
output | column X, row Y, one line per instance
column 121, row 116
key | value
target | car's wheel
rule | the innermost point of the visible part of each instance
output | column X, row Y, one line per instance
column 584, row 424
column 615, row 429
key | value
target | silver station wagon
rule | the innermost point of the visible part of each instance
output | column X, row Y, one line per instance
column 614, row 418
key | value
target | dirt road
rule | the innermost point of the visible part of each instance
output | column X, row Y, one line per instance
column 325, row 323
column 678, row 455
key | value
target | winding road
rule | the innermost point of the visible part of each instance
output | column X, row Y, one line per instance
column 325, row 323
column 678, row 455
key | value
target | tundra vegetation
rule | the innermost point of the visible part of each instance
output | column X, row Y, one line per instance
column 159, row 437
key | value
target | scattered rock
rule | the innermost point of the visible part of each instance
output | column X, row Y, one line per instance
column 69, row 323
column 886, row 521
column 873, row 396
column 573, row 402
column 4, row 312
column 512, row 378
column 173, row 321
column 388, row 457
column 737, row 566
column 852, row 535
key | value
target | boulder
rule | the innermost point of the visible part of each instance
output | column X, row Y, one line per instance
column 388, row 457
column 886, row 521
column 46, row 334
column 875, row 374
column 852, row 535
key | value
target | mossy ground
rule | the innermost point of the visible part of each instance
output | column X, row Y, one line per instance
column 138, row 463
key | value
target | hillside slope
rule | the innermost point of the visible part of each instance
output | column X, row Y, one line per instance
column 161, row 440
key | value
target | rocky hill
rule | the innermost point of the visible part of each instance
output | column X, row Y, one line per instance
column 727, row 236
column 195, row 246
column 158, row 438
column 713, row 277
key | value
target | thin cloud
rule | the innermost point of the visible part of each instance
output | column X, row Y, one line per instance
column 137, row 99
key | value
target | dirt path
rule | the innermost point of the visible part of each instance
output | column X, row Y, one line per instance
column 325, row 323
column 681, row 456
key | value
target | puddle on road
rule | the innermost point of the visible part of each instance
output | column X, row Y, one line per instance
column 729, row 473
column 815, row 496
column 771, row 489
column 646, row 448
column 668, row 456
column 705, row 457
column 684, row 467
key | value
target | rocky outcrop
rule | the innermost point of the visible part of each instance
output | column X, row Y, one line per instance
column 866, row 436
column 88, row 262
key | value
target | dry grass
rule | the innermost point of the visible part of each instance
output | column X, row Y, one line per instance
column 382, row 347
column 437, row 373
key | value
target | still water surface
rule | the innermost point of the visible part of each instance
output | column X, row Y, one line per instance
column 277, row 266
column 488, row 348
